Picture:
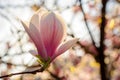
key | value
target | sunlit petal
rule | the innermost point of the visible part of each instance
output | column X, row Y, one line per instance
column 41, row 12
column 35, row 21
column 34, row 53
column 35, row 36
column 52, row 32
column 62, row 48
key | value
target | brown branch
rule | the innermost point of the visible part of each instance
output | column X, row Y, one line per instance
column 33, row 71
column 101, row 56
column 85, row 20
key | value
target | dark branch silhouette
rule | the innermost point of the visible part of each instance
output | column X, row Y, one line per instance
column 85, row 20
column 100, row 49
column 101, row 55
column 32, row 71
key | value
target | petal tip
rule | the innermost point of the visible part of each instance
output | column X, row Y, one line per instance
column 24, row 24
column 33, row 52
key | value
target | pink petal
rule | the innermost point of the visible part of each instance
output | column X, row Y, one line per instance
column 52, row 32
column 42, row 11
column 35, row 21
column 34, row 34
column 62, row 48
column 34, row 53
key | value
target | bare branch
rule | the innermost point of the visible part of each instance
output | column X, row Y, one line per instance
column 85, row 20
column 103, row 69
column 33, row 71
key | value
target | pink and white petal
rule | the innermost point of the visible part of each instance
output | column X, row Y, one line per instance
column 26, row 27
column 61, row 20
column 47, row 30
column 60, row 32
column 35, row 21
column 64, row 47
column 35, row 36
column 42, row 11
column 39, row 42
column 34, row 53
column 52, row 32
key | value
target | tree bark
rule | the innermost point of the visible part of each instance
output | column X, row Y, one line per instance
column 101, row 56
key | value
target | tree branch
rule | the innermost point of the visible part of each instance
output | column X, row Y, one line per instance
column 101, row 56
column 33, row 71
column 85, row 20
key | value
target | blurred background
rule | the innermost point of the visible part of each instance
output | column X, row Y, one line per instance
column 79, row 62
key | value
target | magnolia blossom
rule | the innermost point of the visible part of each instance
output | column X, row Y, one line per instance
column 47, row 30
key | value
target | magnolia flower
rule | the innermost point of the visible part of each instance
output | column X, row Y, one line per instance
column 47, row 30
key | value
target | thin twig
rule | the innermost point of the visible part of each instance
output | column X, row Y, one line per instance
column 85, row 20
column 41, row 69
